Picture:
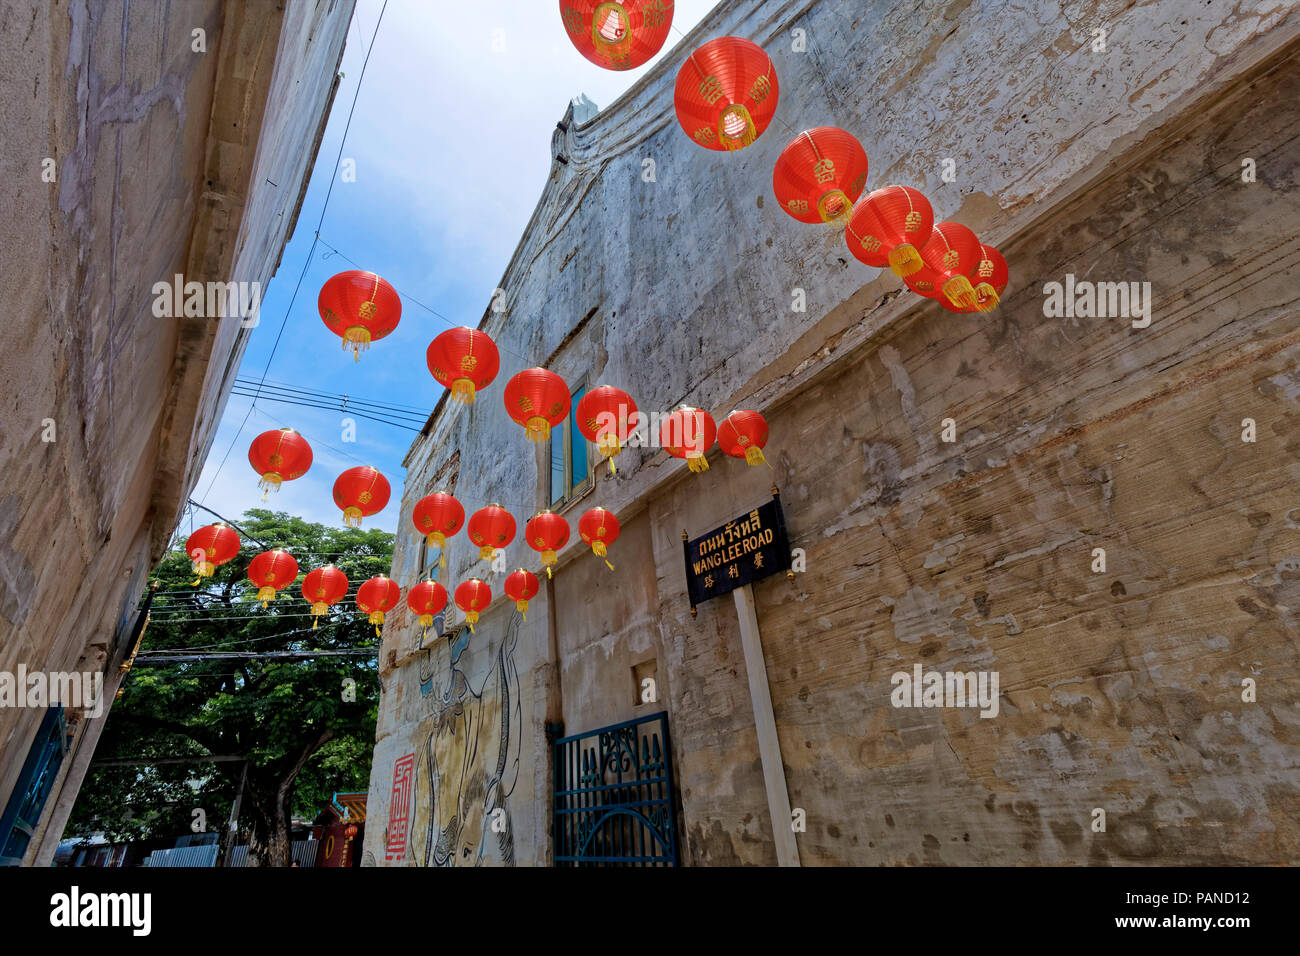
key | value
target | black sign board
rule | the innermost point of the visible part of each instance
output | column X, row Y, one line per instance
column 740, row 552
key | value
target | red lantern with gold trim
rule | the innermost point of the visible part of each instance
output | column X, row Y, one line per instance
column 989, row 277
column 360, row 308
column 891, row 224
column 323, row 587
column 537, row 399
column 426, row 599
column 742, row 434
column 925, row 281
column 604, row 416
column 272, row 571
column 599, row 528
column 361, row 492
column 438, row 516
column 210, row 547
column 547, row 533
column 618, row 35
column 951, row 252
column 464, row 360
column 472, row 597
column 726, row 93
column 277, row 456
column 820, row 175
column 521, row 587
column 491, row 528
column 376, row 597
column 688, row 433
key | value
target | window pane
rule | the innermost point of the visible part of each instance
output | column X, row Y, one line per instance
column 579, row 442
column 558, row 488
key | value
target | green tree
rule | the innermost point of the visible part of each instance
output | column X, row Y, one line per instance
column 304, row 729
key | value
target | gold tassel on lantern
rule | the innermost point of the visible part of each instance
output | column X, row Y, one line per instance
column 599, row 550
column 318, row 610
column 471, row 618
column 266, row 594
column 356, row 337
column 904, row 259
column 486, row 552
column 608, row 446
column 986, row 297
column 835, row 208
column 523, row 609
column 426, row 621
column 736, row 127
column 548, row 559
column 377, row 618
column 270, row 482
column 960, row 292
column 754, row 456
column 537, row 429
column 436, row 539
column 352, row 516
column 697, row 462
column 462, row 390
column 204, row 569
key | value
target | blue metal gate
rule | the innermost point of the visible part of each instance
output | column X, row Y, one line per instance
column 614, row 797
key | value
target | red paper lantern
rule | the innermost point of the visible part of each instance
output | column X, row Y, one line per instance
column 521, row 587
column 891, row 224
column 617, row 35
column 463, row 360
column 989, row 277
column 538, row 400
column 210, row 547
column 491, row 528
column 599, row 528
column 472, row 597
column 743, row 434
column 272, row 571
column 925, row 281
column 547, row 533
column 438, row 516
column 726, row 93
column 688, row 433
column 323, row 587
column 951, row 252
column 360, row 308
column 604, row 416
column 820, row 175
column 376, row 597
column 426, row 599
column 361, row 492
column 277, row 456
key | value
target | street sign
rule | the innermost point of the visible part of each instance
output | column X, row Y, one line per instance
column 742, row 551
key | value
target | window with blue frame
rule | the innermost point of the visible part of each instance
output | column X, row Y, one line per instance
column 570, row 460
column 23, row 812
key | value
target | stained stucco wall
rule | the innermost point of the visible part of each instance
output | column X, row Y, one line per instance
column 164, row 160
column 1119, row 690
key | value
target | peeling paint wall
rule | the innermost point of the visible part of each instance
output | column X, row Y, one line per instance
column 1119, row 690
column 164, row 157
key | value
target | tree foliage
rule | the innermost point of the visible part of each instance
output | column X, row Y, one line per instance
column 305, row 727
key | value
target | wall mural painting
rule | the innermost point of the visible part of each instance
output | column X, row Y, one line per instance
column 467, row 753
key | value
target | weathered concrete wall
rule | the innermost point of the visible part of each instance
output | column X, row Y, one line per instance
column 164, row 157
column 1120, row 691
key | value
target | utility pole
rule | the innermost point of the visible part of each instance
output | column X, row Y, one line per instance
column 232, row 828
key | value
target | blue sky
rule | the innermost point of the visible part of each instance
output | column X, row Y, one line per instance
column 451, row 142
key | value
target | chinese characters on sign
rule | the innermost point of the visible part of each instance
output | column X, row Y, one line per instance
column 399, row 808
column 740, row 552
